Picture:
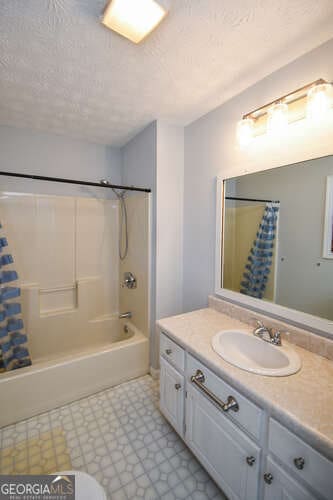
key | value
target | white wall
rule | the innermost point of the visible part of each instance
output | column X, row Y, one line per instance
column 211, row 149
column 169, row 231
column 31, row 152
column 155, row 159
column 139, row 169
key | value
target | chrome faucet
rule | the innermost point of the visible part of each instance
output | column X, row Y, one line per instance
column 267, row 334
column 129, row 280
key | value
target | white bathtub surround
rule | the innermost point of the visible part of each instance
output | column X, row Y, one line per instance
column 71, row 320
column 302, row 338
column 66, row 255
column 137, row 261
column 117, row 357
column 120, row 437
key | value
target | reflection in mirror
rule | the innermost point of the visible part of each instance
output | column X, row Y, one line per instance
column 278, row 236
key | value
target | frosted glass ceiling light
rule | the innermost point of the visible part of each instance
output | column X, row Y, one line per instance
column 133, row 19
column 245, row 129
column 319, row 101
column 277, row 119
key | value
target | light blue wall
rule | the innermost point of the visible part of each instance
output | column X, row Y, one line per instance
column 139, row 159
column 169, row 230
column 139, row 169
column 31, row 152
column 155, row 159
column 211, row 150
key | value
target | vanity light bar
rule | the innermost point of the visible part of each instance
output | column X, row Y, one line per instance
column 275, row 116
column 293, row 96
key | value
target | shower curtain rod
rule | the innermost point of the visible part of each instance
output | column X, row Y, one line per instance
column 73, row 181
column 251, row 199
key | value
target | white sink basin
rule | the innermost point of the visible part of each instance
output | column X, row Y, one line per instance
column 255, row 355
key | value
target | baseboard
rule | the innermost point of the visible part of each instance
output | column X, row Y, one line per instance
column 155, row 373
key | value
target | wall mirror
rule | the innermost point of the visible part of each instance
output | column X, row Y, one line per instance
column 275, row 242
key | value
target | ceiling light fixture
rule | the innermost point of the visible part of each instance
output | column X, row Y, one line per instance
column 312, row 101
column 133, row 19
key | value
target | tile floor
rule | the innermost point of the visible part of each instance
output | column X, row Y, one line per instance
column 43, row 454
column 120, row 437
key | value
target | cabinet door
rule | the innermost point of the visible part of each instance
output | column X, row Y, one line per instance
column 281, row 486
column 225, row 451
column 172, row 396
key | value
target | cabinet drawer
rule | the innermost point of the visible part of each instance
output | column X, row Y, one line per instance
column 305, row 462
column 172, row 352
column 249, row 416
column 282, row 485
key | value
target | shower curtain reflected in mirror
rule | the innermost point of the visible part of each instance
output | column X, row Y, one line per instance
column 242, row 222
column 260, row 260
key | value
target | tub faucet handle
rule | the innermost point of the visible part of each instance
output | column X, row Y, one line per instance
column 130, row 280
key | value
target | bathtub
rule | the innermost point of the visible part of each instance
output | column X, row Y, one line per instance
column 59, row 379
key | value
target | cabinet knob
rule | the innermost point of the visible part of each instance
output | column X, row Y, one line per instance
column 250, row 461
column 177, row 387
column 168, row 351
column 268, row 478
column 299, row 463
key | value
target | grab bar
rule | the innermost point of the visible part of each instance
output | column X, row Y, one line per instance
column 231, row 404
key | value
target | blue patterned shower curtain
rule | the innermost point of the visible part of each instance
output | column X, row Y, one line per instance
column 258, row 267
column 13, row 342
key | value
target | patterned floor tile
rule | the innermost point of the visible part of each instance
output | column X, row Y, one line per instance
column 38, row 455
column 120, row 437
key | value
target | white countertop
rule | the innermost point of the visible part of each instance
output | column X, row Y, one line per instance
column 303, row 401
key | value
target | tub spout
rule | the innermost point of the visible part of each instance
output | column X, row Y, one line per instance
column 125, row 315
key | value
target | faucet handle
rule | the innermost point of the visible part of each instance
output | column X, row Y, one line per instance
column 275, row 334
column 258, row 322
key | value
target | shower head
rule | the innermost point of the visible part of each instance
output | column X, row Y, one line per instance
column 104, row 182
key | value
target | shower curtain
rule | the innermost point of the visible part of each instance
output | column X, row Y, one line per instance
column 256, row 274
column 13, row 342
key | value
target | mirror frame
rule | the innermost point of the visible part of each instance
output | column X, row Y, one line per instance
column 315, row 324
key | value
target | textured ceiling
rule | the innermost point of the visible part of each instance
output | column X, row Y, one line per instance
column 62, row 71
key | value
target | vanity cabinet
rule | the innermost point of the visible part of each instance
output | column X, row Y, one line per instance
column 172, row 396
column 227, row 453
column 250, row 455
column 279, row 485
column 304, row 463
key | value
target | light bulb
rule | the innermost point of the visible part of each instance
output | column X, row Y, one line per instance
column 133, row 19
column 277, row 119
column 245, row 131
column 319, row 101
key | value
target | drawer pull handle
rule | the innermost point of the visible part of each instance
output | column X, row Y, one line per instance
column 299, row 463
column 177, row 387
column 168, row 351
column 268, row 478
column 250, row 461
column 231, row 404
